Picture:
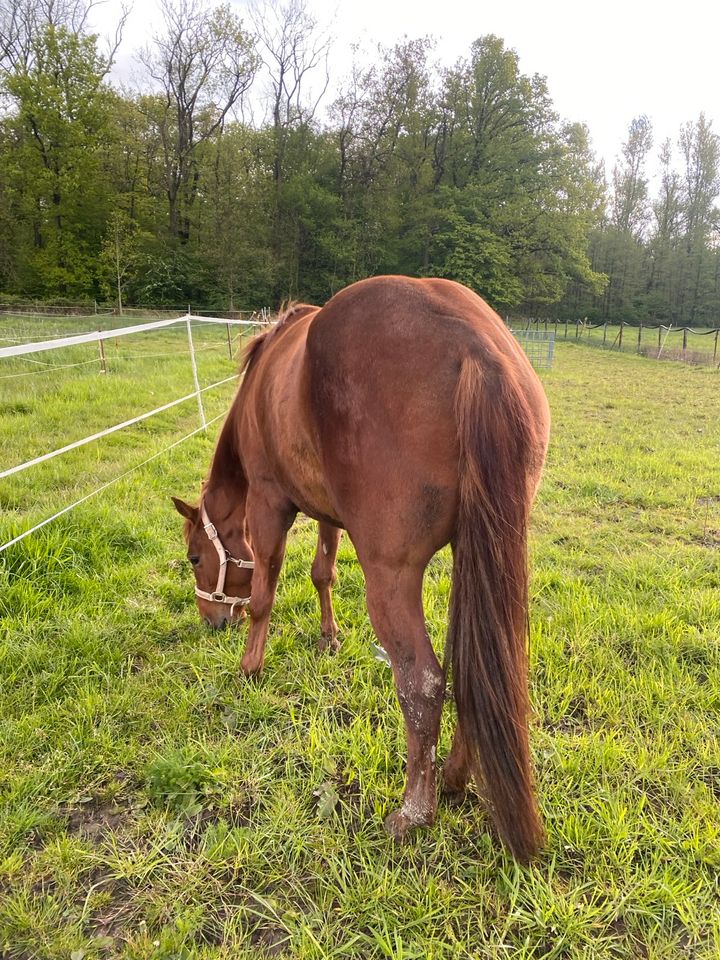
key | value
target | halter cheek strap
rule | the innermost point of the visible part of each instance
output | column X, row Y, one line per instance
column 219, row 595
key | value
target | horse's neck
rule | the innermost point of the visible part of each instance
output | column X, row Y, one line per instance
column 226, row 486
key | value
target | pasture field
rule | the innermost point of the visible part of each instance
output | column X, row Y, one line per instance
column 700, row 343
column 155, row 804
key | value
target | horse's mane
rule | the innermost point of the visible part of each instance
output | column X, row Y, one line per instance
column 293, row 312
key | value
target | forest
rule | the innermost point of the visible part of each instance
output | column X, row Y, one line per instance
column 235, row 173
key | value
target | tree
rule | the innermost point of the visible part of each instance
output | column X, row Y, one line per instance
column 291, row 49
column 700, row 149
column 630, row 207
column 60, row 125
column 510, row 171
column 203, row 64
column 624, row 258
column 122, row 252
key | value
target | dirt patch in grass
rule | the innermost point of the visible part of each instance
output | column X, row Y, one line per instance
column 95, row 819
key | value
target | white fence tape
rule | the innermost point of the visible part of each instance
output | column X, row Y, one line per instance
column 78, row 338
column 109, row 430
column 22, row 349
column 104, row 486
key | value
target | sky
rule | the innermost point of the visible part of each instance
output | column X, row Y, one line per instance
column 605, row 63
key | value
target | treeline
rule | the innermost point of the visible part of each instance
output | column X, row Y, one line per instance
column 172, row 193
column 661, row 252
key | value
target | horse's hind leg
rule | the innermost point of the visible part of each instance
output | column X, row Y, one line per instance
column 456, row 771
column 324, row 576
column 394, row 597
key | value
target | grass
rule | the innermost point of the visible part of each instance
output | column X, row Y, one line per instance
column 157, row 805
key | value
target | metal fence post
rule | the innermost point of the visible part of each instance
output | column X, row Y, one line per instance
column 201, row 411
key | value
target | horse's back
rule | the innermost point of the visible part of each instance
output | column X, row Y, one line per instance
column 383, row 360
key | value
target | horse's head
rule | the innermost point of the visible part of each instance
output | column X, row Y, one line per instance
column 221, row 558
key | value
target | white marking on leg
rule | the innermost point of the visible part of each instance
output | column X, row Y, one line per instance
column 430, row 683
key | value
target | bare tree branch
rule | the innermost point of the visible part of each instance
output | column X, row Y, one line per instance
column 203, row 64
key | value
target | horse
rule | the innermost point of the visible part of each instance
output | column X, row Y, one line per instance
column 404, row 412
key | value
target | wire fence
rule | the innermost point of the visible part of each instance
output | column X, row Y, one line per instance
column 657, row 341
column 539, row 345
column 25, row 352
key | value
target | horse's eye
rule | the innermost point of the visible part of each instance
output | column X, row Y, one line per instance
column 194, row 560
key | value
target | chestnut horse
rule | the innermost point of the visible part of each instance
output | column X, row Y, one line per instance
column 404, row 412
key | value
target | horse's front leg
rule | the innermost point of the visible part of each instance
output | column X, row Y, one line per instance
column 324, row 576
column 394, row 596
column 269, row 520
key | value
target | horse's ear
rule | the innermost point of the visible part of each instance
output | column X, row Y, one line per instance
column 184, row 509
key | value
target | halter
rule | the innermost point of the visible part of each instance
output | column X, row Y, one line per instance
column 218, row 595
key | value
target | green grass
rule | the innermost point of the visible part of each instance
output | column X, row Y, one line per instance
column 155, row 804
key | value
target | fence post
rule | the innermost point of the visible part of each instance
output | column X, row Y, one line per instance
column 227, row 326
column 684, row 341
column 620, row 335
column 566, row 323
column 659, row 332
column 605, row 333
column 715, row 348
column 577, row 328
column 639, row 337
column 556, row 323
column 201, row 411
column 103, row 364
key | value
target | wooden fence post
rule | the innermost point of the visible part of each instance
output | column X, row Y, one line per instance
column 715, row 348
column 659, row 332
column 103, row 364
column 620, row 335
column 605, row 333
column 577, row 328
column 684, row 341
column 227, row 325
column 639, row 337
column 566, row 323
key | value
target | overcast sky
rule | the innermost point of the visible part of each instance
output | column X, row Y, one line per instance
column 605, row 64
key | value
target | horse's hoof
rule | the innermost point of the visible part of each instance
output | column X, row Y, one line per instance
column 250, row 668
column 453, row 798
column 398, row 826
column 329, row 642
column 453, row 784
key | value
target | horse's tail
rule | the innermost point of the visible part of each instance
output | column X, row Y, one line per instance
column 489, row 602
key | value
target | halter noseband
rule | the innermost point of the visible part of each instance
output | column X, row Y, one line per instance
column 218, row 595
